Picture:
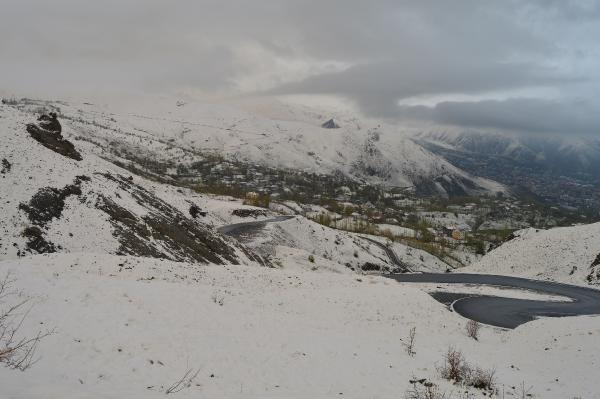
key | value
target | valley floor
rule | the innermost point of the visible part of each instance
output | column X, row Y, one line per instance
column 129, row 327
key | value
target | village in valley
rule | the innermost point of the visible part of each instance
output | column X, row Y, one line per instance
column 457, row 230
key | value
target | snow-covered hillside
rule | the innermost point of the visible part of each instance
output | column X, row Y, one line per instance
column 338, row 250
column 287, row 138
column 57, row 204
column 566, row 254
column 132, row 328
column 53, row 203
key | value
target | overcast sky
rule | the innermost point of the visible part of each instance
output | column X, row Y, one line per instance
column 527, row 66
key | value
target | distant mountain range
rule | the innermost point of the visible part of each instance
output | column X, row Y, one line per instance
column 558, row 169
column 290, row 138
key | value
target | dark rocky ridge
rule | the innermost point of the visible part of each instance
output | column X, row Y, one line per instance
column 48, row 134
column 47, row 204
column 180, row 238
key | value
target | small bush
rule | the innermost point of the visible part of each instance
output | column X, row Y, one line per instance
column 311, row 258
column 483, row 379
column 472, row 329
column 455, row 368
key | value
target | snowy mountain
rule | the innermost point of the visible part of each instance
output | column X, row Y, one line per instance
column 574, row 156
column 281, row 137
column 560, row 170
column 60, row 195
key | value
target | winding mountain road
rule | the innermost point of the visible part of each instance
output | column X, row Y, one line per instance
column 248, row 228
column 238, row 230
column 511, row 312
column 492, row 310
column 390, row 253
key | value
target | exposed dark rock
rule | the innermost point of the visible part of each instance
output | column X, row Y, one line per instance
column 594, row 276
column 509, row 237
column 50, row 123
column 330, row 124
column 371, row 162
column 164, row 232
column 195, row 211
column 49, row 202
column 244, row 213
column 132, row 233
column 6, row 166
column 368, row 266
column 48, row 134
column 37, row 242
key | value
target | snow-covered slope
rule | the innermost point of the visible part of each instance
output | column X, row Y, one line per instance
column 566, row 254
column 287, row 138
column 53, row 203
column 131, row 328
column 341, row 250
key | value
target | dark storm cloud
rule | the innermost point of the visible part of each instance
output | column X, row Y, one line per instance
column 517, row 115
column 375, row 53
column 377, row 87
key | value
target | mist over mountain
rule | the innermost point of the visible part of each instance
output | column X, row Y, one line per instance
column 558, row 170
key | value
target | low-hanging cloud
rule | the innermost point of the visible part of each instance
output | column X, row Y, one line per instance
column 529, row 115
column 374, row 53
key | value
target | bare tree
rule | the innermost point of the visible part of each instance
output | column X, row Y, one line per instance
column 473, row 329
column 409, row 344
column 522, row 392
column 184, row 382
column 16, row 351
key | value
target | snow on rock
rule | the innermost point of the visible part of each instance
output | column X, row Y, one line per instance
column 330, row 124
column 51, row 203
column 564, row 254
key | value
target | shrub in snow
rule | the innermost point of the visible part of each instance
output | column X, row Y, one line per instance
column 472, row 329
column 409, row 344
column 456, row 368
column 482, row 379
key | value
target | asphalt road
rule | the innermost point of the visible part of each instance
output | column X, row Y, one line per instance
column 246, row 229
column 511, row 312
column 249, row 228
column 390, row 253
